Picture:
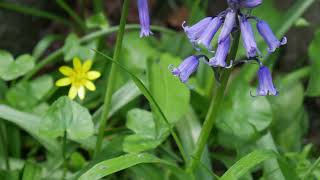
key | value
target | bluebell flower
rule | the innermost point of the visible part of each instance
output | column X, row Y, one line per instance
column 219, row 60
column 269, row 37
column 250, row 3
column 194, row 32
column 186, row 68
column 229, row 23
column 265, row 86
column 207, row 36
column 248, row 39
column 144, row 18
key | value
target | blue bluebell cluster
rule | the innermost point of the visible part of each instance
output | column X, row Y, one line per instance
column 232, row 19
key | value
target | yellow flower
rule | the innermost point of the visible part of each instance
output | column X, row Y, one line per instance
column 79, row 78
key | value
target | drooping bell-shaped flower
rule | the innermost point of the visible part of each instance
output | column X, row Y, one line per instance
column 265, row 86
column 207, row 36
column 269, row 37
column 144, row 18
column 194, row 32
column 250, row 3
column 229, row 23
column 248, row 39
column 219, row 60
column 186, row 68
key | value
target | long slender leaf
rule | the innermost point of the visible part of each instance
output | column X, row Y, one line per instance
column 110, row 166
column 244, row 165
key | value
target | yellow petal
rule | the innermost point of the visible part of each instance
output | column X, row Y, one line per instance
column 89, row 85
column 81, row 92
column 73, row 92
column 92, row 75
column 77, row 64
column 86, row 66
column 63, row 82
column 65, row 70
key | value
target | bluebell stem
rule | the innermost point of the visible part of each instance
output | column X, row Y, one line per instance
column 265, row 86
column 248, row 39
column 269, row 37
column 229, row 23
column 186, row 68
column 219, row 60
column 194, row 32
column 207, row 36
column 144, row 18
column 250, row 3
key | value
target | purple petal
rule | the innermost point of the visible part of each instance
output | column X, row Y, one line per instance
column 144, row 18
column 194, row 32
column 248, row 39
column 207, row 36
column 229, row 23
column 269, row 37
column 186, row 68
column 265, row 86
column 219, row 60
column 250, row 3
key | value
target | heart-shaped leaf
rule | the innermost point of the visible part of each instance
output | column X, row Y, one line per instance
column 142, row 123
column 243, row 116
column 26, row 95
column 11, row 69
column 67, row 115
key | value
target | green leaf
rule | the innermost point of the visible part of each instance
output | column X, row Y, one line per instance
column 136, row 57
column 67, row 115
column 9, row 175
column 168, row 91
column 314, row 83
column 11, row 69
column 302, row 22
column 30, row 123
column 271, row 167
column 77, row 161
column 43, row 45
column 244, row 165
column 31, row 171
column 26, row 95
column 97, row 20
column 111, row 166
column 147, row 95
column 141, row 122
column 72, row 48
column 120, row 98
column 189, row 129
column 288, row 129
column 242, row 115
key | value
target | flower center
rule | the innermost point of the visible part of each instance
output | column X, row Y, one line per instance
column 78, row 79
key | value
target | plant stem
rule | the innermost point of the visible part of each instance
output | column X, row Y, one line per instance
column 64, row 155
column 73, row 14
column 33, row 12
column 213, row 109
column 4, row 143
column 98, row 5
column 59, row 52
column 112, row 77
column 311, row 169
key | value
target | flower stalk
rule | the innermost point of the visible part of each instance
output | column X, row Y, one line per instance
column 112, row 77
column 213, row 109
